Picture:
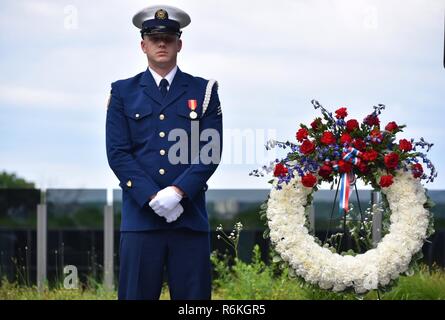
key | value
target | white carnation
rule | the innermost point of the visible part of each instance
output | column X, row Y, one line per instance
column 364, row 272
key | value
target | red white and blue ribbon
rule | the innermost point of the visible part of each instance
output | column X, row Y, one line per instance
column 352, row 155
column 347, row 179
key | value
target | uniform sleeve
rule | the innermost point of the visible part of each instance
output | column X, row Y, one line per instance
column 193, row 180
column 120, row 158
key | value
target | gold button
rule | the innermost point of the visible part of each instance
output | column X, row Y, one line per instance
column 137, row 115
column 161, row 117
column 161, row 171
column 162, row 134
column 162, row 152
column 129, row 183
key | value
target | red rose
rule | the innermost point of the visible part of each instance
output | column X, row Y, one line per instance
column 391, row 126
column 302, row 134
column 307, row 147
column 372, row 120
column 370, row 155
column 325, row 171
column 327, row 138
column 359, row 144
column 391, row 160
column 316, row 123
column 362, row 167
column 386, row 181
column 417, row 170
column 405, row 145
column 345, row 138
column 351, row 125
column 344, row 166
column 309, row 180
column 341, row 113
column 376, row 134
column 280, row 170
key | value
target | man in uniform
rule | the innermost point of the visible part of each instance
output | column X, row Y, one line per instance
column 164, row 218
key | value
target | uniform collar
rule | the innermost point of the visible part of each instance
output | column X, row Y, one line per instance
column 177, row 87
column 169, row 77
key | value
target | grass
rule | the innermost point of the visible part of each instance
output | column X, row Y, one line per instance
column 13, row 291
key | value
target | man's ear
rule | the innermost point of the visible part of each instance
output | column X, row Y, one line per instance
column 143, row 46
column 179, row 45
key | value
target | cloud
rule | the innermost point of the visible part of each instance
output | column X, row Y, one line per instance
column 270, row 59
column 39, row 98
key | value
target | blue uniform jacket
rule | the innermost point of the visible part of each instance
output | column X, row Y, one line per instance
column 138, row 123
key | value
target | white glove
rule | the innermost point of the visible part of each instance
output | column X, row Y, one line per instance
column 174, row 214
column 165, row 200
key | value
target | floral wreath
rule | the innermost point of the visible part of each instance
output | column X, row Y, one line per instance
column 346, row 150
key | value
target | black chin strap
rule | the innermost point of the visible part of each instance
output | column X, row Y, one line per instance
column 147, row 32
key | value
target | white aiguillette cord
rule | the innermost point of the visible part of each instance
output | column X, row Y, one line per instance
column 207, row 95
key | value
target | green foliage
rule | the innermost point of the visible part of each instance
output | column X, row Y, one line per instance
column 249, row 215
column 75, row 216
column 231, row 239
column 13, row 291
column 252, row 281
column 263, row 218
column 12, row 181
column 422, row 285
column 259, row 280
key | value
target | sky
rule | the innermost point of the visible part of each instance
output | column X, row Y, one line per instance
column 270, row 58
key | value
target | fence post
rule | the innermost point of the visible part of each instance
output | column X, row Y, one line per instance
column 108, row 248
column 376, row 198
column 41, row 246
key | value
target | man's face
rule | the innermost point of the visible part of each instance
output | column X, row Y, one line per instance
column 161, row 49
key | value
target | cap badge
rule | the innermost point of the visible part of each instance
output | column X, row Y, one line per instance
column 161, row 14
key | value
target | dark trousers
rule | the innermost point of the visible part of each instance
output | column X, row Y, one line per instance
column 183, row 253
